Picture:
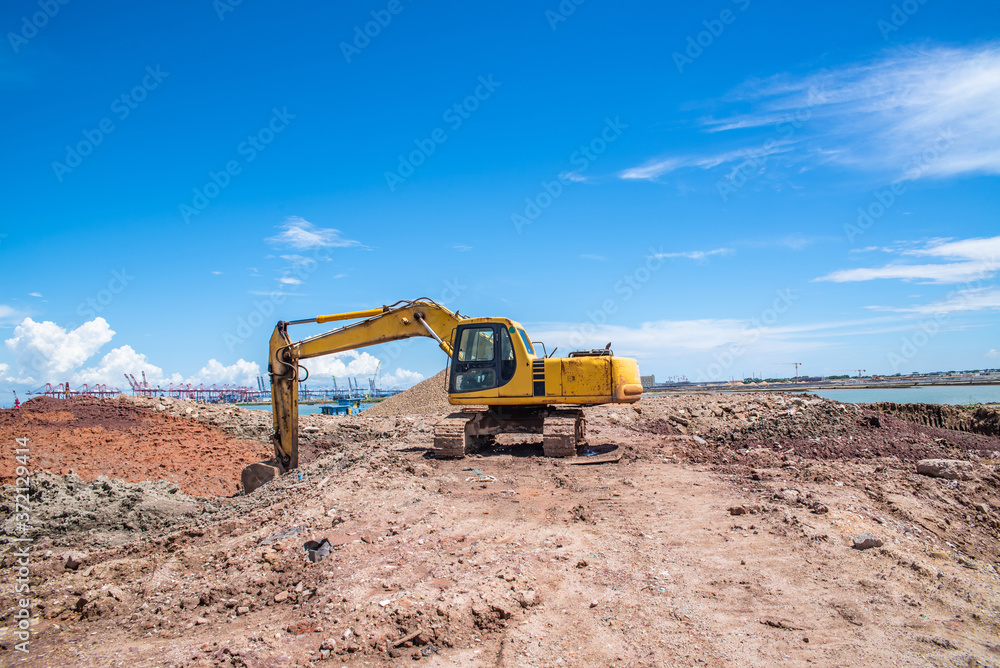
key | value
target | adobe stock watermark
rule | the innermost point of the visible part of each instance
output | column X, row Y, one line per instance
column 121, row 107
column 562, row 12
column 698, row 43
column 31, row 25
column 885, row 198
column 264, row 310
column 756, row 158
column 248, row 150
column 454, row 116
column 898, row 17
column 22, row 540
column 625, row 288
column 581, row 159
column 751, row 332
column 363, row 36
column 223, row 7
column 92, row 306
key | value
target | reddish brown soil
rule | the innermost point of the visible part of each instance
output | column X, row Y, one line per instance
column 723, row 537
column 117, row 439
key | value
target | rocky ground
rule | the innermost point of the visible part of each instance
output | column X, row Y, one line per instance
column 745, row 530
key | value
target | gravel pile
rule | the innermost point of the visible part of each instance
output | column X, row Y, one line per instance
column 424, row 398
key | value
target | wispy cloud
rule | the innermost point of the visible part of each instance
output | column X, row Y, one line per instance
column 888, row 112
column 461, row 248
column 300, row 234
column 971, row 259
column 661, row 166
column 911, row 113
column 695, row 255
column 975, row 299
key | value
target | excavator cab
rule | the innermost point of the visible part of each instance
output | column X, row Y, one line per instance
column 483, row 359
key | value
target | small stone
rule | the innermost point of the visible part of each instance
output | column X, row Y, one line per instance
column 790, row 495
column 581, row 564
column 281, row 597
column 527, row 599
column 242, row 610
column 950, row 469
column 593, row 604
column 737, row 510
column 73, row 560
column 866, row 541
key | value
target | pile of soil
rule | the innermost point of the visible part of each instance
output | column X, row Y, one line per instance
column 425, row 398
column 63, row 508
column 115, row 438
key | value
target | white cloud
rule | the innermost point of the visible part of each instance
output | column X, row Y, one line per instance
column 462, row 248
column 656, row 168
column 112, row 368
column 348, row 363
column 217, row 273
column 289, row 280
column 934, row 273
column 214, row 372
column 695, row 255
column 299, row 233
column 362, row 365
column 3, row 371
column 983, row 249
column 34, row 294
column 973, row 259
column 401, row 378
column 45, row 352
column 976, row 299
column 9, row 314
column 889, row 112
column 911, row 113
column 992, row 353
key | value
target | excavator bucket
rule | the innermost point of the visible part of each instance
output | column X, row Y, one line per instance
column 260, row 473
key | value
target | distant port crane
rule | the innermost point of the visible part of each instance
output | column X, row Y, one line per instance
column 797, row 365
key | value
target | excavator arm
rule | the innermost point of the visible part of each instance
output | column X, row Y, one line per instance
column 405, row 319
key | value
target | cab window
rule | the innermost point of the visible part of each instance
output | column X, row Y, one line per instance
column 508, row 364
column 527, row 342
column 476, row 345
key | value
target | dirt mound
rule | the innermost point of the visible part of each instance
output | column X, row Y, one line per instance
column 238, row 422
column 978, row 420
column 425, row 398
column 115, row 438
column 108, row 511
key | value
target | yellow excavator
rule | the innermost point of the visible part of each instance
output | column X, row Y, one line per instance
column 492, row 363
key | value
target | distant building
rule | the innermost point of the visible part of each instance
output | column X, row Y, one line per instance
column 648, row 381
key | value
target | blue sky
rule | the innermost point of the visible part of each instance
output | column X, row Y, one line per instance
column 717, row 189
